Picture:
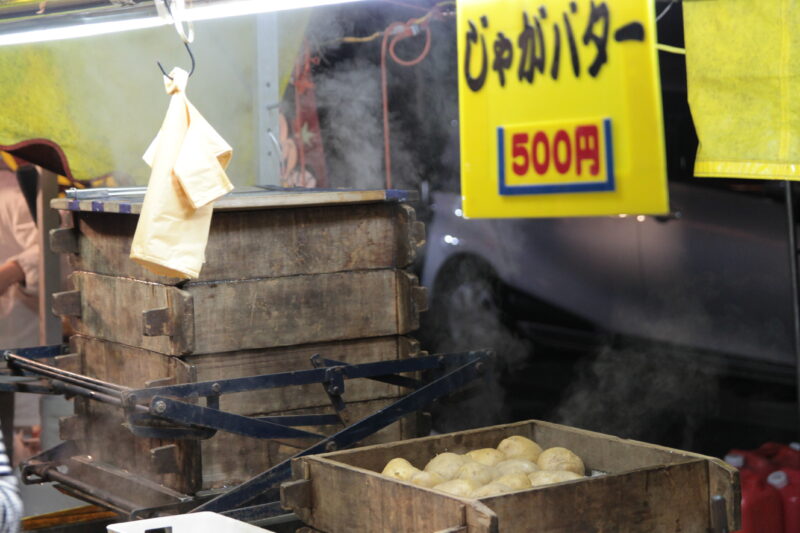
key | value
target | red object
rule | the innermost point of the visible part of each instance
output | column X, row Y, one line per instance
column 787, row 482
column 787, row 457
column 755, row 462
column 762, row 507
column 768, row 450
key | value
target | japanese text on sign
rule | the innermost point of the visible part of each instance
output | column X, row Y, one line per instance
column 553, row 94
column 531, row 47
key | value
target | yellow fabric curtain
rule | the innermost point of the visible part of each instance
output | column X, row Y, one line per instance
column 743, row 70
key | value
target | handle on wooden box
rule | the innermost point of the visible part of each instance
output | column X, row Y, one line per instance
column 175, row 321
column 157, row 322
column 418, row 233
column 719, row 514
column 420, row 297
column 64, row 241
column 296, row 495
column 67, row 303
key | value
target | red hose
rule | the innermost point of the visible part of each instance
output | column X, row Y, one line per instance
column 392, row 37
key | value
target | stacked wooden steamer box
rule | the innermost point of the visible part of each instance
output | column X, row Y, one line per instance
column 287, row 275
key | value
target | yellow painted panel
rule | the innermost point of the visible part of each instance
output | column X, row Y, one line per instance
column 560, row 108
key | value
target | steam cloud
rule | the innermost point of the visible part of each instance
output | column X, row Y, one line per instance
column 645, row 395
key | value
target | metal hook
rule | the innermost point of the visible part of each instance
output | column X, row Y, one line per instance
column 186, row 39
column 191, row 56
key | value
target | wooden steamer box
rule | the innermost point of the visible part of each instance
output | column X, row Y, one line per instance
column 646, row 489
column 288, row 274
column 224, row 459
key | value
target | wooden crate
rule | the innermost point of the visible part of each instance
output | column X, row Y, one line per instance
column 215, row 317
column 648, row 489
column 261, row 243
column 225, row 459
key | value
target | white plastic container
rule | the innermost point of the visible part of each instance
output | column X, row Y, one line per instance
column 204, row 522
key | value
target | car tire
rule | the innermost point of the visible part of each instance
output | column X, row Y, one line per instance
column 466, row 313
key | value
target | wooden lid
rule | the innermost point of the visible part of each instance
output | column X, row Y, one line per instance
column 242, row 198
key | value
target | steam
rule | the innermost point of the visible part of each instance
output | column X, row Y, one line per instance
column 422, row 103
column 644, row 394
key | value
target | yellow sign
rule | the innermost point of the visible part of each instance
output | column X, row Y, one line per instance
column 560, row 108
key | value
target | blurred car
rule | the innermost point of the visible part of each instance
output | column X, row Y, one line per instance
column 713, row 276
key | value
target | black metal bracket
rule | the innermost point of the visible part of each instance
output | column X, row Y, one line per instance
column 173, row 412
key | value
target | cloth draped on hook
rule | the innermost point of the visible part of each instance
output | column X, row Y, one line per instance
column 188, row 160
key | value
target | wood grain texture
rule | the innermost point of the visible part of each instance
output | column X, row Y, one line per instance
column 648, row 489
column 106, row 438
column 348, row 499
column 658, row 499
column 262, row 244
column 215, row 317
column 229, row 458
column 226, row 458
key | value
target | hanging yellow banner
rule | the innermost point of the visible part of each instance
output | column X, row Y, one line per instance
column 741, row 67
column 560, row 108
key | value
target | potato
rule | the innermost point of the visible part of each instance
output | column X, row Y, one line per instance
column 561, row 459
column 547, row 477
column 514, row 466
column 399, row 468
column 516, row 481
column 457, row 487
column 475, row 471
column 518, row 447
column 446, row 464
column 487, row 456
column 492, row 489
column 427, row 479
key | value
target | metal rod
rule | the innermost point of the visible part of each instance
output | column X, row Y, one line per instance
column 50, row 472
column 302, row 377
column 63, row 375
column 250, row 489
column 793, row 251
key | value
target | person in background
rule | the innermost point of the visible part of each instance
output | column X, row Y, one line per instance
column 19, row 304
column 10, row 502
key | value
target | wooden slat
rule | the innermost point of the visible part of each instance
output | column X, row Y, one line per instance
column 267, row 243
column 659, row 499
column 106, row 438
column 249, row 314
column 346, row 499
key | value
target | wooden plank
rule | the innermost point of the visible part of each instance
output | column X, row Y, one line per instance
column 724, row 481
column 267, row 243
column 348, row 499
column 249, row 314
column 50, row 329
column 104, row 423
column 658, row 499
column 229, row 458
column 244, row 199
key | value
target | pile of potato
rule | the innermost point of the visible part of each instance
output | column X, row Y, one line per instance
column 517, row 463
